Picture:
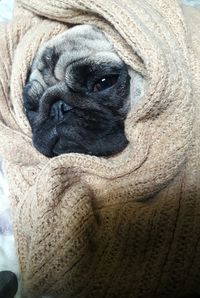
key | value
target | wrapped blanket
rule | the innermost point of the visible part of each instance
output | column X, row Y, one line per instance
column 125, row 226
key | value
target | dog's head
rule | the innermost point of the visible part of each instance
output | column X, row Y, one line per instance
column 77, row 95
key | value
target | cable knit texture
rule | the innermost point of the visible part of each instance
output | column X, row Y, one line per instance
column 124, row 226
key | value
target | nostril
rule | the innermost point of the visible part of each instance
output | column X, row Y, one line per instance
column 58, row 109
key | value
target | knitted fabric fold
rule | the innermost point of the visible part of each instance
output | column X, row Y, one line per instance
column 124, row 226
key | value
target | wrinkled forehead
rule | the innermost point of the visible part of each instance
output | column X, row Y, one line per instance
column 78, row 43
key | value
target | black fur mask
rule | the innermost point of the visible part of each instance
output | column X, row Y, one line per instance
column 77, row 95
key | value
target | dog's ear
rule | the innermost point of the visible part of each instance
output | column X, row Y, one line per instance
column 31, row 101
column 32, row 92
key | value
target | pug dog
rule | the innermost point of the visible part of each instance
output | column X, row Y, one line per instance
column 77, row 95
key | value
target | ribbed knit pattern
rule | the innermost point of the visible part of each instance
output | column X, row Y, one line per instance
column 127, row 226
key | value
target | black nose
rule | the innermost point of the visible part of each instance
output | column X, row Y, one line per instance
column 58, row 109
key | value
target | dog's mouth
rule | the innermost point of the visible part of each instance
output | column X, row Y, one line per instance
column 70, row 146
column 69, row 138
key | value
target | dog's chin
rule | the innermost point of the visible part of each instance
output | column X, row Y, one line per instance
column 63, row 146
column 53, row 144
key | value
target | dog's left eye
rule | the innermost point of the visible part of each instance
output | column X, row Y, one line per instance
column 105, row 83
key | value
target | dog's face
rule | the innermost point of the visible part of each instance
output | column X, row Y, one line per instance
column 77, row 95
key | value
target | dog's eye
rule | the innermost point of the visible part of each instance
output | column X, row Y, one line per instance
column 105, row 83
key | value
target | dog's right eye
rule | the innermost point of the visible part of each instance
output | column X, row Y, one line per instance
column 104, row 83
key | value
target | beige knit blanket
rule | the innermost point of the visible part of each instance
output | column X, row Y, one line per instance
column 129, row 225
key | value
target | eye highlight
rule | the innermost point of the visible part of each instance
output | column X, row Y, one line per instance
column 105, row 83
